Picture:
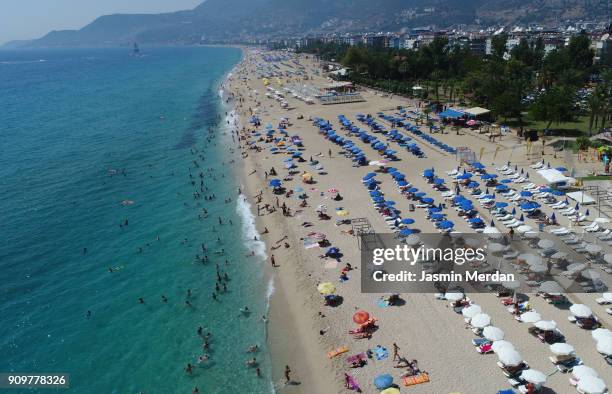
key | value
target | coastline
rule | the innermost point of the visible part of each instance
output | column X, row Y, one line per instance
column 291, row 335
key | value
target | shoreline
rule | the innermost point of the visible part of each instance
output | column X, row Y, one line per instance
column 286, row 315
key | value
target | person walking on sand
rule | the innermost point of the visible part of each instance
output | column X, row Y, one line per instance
column 395, row 351
column 287, row 374
column 273, row 261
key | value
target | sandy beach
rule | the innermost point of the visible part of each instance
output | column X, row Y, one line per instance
column 301, row 328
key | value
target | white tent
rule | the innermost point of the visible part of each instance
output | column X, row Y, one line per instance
column 477, row 111
column 554, row 176
column 581, row 197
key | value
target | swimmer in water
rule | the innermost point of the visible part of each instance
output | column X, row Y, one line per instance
column 252, row 349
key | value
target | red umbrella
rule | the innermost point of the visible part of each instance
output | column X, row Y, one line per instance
column 361, row 317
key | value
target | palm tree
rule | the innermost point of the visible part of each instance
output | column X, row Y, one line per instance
column 596, row 106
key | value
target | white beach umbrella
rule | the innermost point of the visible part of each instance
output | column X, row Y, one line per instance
column 509, row 357
column 593, row 248
column 576, row 267
column 529, row 258
column 538, row 268
column 602, row 220
column 559, row 256
column 546, row 325
column 600, row 333
column 607, row 296
column 590, row 274
column 591, row 385
column 582, row 371
column 530, row 234
column 550, row 286
column 495, row 247
column 581, row 310
column 492, row 232
column 604, row 346
column 511, row 284
column 531, row 317
column 412, row 240
column 533, row 376
column 561, row 349
column 546, row 243
column 608, row 258
column 454, row 296
column 481, row 320
column 523, row 229
column 497, row 346
column 493, row 333
column 471, row 311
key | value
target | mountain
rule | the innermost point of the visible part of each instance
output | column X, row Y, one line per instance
column 235, row 20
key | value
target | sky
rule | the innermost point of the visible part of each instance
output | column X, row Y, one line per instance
column 27, row 19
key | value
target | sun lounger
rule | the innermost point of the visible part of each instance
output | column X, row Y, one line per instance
column 417, row 379
column 537, row 165
column 603, row 301
column 337, row 352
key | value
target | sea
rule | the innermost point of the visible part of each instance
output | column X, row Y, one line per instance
column 101, row 152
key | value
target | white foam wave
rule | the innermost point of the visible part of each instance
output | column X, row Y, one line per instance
column 252, row 238
column 23, row 61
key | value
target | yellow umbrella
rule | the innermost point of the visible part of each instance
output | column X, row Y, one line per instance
column 342, row 213
column 390, row 390
column 326, row 288
column 307, row 176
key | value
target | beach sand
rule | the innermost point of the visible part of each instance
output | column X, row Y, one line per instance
column 424, row 328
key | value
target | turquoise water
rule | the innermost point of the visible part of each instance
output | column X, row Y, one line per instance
column 81, row 132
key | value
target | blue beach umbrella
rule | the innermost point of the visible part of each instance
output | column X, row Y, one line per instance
column 446, row 224
column 506, row 181
column 501, row 204
column 438, row 181
column 407, row 221
column 275, row 182
column 402, row 183
column 428, row 200
column 472, row 185
column 390, row 203
column 413, row 190
column 521, row 219
column 406, row 232
column 587, row 212
column 383, row 381
column 420, row 194
column 514, row 211
column 437, row 216
column 526, row 193
column 501, row 188
column 492, row 223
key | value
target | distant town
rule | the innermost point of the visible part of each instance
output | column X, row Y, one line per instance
column 479, row 42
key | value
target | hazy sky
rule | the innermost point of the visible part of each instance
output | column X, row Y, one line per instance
column 26, row 19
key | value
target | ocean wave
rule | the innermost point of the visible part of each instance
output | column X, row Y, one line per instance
column 8, row 62
column 249, row 230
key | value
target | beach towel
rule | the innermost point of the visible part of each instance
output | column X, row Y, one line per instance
column 352, row 383
column 337, row 352
column 381, row 353
column 417, row 379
